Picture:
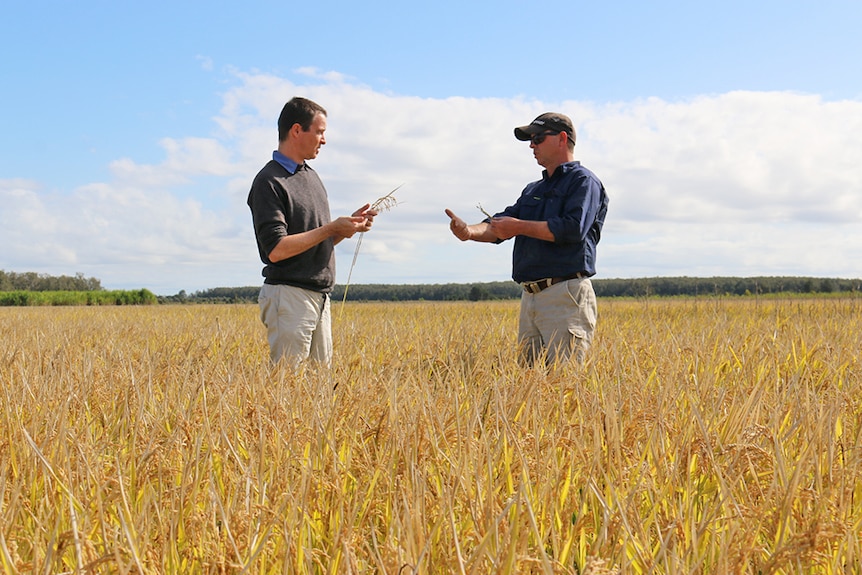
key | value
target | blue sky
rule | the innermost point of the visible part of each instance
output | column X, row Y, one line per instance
column 726, row 133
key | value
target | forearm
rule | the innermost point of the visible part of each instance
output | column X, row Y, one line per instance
column 537, row 230
column 295, row 244
column 481, row 232
column 508, row 227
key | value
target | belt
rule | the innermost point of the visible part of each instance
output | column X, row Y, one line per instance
column 539, row 285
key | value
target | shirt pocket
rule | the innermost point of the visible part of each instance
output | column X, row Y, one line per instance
column 532, row 207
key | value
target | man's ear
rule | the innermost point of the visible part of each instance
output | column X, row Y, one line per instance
column 564, row 139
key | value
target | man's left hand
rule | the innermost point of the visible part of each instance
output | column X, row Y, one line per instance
column 368, row 214
column 505, row 227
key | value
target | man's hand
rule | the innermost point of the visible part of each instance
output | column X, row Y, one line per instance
column 458, row 226
column 367, row 213
column 480, row 232
column 505, row 227
column 359, row 221
column 345, row 226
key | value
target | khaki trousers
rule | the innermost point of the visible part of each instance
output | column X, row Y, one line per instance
column 298, row 324
column 557, row 322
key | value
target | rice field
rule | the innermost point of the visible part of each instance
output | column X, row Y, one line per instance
column 701, row 436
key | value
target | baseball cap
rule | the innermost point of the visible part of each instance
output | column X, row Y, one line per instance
column 547, row 122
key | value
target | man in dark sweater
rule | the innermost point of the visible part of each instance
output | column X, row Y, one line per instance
column 296, row 239
column 556, row 223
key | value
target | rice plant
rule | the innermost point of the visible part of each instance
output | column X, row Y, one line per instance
column 701, row 436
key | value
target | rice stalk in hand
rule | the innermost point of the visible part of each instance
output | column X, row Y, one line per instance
column 481, row 209
column 382, row 204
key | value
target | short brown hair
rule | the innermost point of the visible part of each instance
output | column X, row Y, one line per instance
column 297, row 111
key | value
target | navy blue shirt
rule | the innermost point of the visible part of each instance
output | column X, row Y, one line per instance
column 574, row 203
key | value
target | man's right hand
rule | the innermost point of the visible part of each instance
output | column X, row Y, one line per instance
column 346, row 226
column 458, row 226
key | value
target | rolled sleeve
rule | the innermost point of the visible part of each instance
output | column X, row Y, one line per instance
column 579, row 212
column 268, row 216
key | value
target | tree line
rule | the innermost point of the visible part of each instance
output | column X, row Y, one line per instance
column 367, row 292
column 31, row 281
column 22, row 289
column 639, row 287
column 721, row 286
column 32, row 289
column 91, row 297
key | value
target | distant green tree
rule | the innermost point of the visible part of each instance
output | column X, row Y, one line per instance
column 479, row 293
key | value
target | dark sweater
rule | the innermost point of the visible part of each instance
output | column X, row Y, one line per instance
column 282, row 204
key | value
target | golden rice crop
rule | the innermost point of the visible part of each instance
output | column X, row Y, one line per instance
column 701, row 436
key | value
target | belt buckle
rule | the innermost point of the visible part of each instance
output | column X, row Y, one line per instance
column 534, row 287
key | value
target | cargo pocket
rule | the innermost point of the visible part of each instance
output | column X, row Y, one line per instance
column 579, row 343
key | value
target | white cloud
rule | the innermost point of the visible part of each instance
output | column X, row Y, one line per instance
column 206, row 63
column 742, row 156
column 743, row 183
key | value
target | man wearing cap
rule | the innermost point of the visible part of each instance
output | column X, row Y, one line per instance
column 556, row 222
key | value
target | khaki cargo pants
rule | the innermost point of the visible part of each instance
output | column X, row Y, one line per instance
column 557, row 323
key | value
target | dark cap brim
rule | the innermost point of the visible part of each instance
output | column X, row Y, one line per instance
column 523, row 133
